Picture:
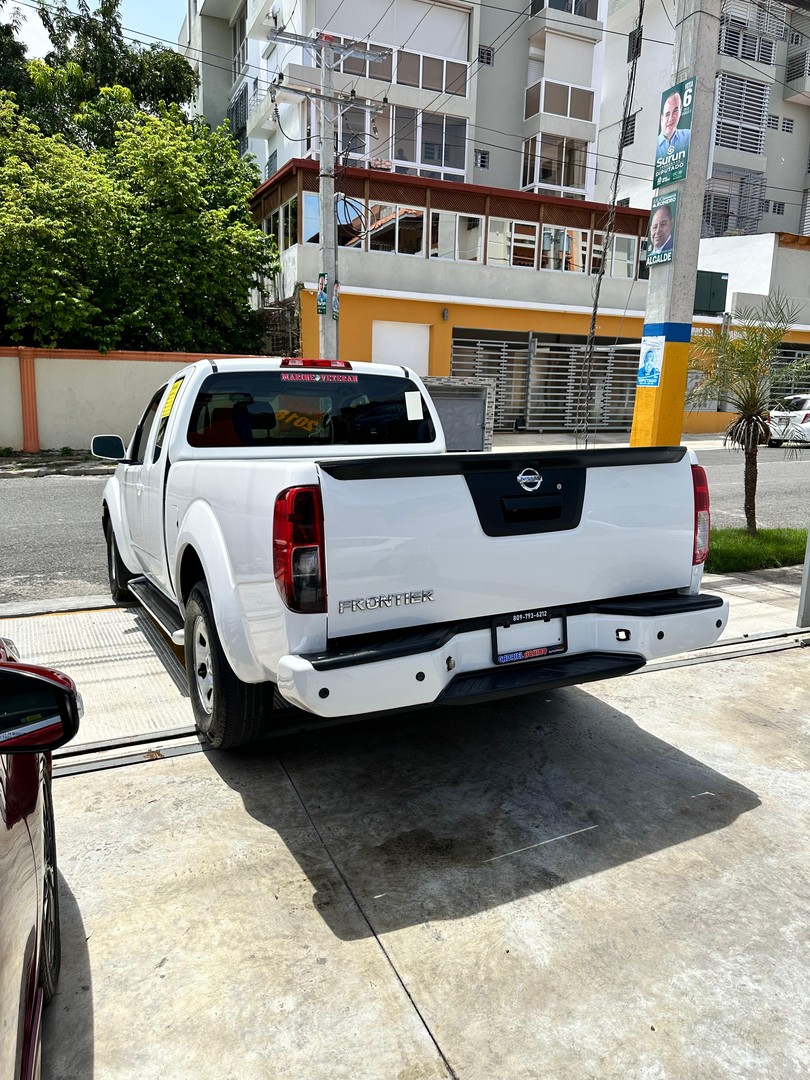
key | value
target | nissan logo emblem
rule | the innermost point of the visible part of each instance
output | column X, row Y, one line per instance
column 530, row 479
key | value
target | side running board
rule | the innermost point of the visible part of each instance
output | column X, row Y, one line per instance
column 159, row 607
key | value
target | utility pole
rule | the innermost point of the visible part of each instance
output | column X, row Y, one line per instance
column 332, row 105
column 328, row 326
column 658, row 415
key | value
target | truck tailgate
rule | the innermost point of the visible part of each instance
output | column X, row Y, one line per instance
column 418, row 541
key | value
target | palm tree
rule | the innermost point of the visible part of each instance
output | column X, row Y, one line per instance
column 737, row 366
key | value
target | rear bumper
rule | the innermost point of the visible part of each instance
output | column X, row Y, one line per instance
column 450, row 664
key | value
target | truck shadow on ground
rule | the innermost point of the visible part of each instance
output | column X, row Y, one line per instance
column 439, row 815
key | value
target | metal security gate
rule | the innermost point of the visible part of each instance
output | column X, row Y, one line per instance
column 541, row 386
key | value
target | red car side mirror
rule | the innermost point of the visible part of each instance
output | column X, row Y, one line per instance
column 39, row 709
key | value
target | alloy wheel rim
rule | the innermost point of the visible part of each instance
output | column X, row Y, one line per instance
column 203, row 676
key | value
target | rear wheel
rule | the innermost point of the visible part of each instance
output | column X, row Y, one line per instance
column 227, row 712
column 50, row 956
column 774, row 442
column 117, row 572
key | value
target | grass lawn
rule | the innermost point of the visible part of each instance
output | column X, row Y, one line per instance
column 733, row 550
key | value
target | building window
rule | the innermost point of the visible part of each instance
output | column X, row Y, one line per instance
column 787, row 124
column 511, row 243
column 795, row 37
column 397, row 229
column 456, row 236
column 238, row 117
column 634, row 39
column 240, row 42
column 481, row 158
column 289, row 224
column 585, row 9
column 311, row 224
column 778, row 208
column 742, row 113
column 764, row 206
column 429, row 144
column 564, row 249
column 733, row 201
column 736, row 40
column 629, row 131
column 560, row 99
column 773, row 123
column 272, row 164
column 486, row 55
column 555, row 164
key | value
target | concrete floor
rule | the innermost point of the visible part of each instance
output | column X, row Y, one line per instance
column 588, row 884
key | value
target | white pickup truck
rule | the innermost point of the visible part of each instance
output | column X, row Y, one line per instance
column 299, row 527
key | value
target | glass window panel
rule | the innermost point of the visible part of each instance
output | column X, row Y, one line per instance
column 532, row 107
column 597, row 252
column 552, row 248
column 272, row 225
column 575, row 159
column 290, row 223
column 312, row 226
column 551, row 159
column 410, row 230
column 529, row 161
column 355, row 65
column 581, row 104
column 498, row 242
column 456, row 78
column 624, row 257
column 350, row 222
column 407, row 68
column 470, row 238
column 383, row 227
column 524, row 244
column 432, row 139
column 455, row 149
column 405, row 134
column 432, row 73
column 353, row 132
column 576, row 256
column 442, row 235
column 383, row 68
column 555, row 99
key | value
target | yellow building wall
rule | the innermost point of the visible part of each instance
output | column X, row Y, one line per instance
column 358, row 313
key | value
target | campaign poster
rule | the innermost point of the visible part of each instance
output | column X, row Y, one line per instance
column 322, row 287
column 661, row 230
column 675, row 133
column 651, row 361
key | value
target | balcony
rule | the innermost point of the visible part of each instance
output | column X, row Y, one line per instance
column 797, row 79
column 577, row 17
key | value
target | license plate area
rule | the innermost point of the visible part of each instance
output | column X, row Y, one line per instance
column 528, row 635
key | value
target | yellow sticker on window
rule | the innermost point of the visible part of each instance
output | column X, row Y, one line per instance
column 167, row 408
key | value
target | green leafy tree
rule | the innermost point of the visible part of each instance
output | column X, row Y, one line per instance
column 738, row 367
column 13, row 62
column 95, row 43
column 139, row 239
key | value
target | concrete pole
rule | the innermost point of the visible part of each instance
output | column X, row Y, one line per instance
column 803, row 618
column 658, row 415
column 328, row 246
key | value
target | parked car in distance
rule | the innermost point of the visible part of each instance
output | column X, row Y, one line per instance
column 39, row 711
column 789, row 422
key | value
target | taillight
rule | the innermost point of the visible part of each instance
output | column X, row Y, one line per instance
column 805, row 419
column 700, row 547
column 299, row 561
column 305, row 362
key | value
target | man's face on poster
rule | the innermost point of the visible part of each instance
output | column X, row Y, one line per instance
column 671, row 115
column 661, row 227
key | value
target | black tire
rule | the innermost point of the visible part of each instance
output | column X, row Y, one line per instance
column 117, row 572
column 227, row 712
column 774, row 442
column 50, row 954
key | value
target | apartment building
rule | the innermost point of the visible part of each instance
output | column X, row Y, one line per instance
column 759, row 178
column 468, row 236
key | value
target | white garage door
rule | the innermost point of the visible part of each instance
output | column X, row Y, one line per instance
column 401, row 343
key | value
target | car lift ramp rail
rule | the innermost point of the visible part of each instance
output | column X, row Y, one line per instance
column 130, row 678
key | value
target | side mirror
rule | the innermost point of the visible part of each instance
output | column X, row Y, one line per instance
column 109, row 447
column 39, row 709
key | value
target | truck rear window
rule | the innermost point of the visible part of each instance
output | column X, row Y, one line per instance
column 300, row 408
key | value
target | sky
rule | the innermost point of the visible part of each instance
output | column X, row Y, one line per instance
column 160, row 18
